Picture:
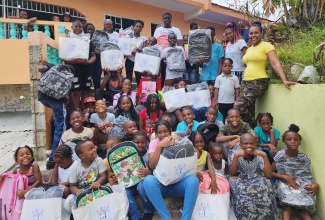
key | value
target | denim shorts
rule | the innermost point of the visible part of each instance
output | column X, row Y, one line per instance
column 190, row 75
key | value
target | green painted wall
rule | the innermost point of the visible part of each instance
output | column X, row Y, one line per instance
column 304, row 106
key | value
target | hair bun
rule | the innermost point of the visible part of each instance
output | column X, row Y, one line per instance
column 294, row 128
column 256, row 23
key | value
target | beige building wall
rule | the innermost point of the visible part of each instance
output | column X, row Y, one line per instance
column 94, row 11
column 304, row 106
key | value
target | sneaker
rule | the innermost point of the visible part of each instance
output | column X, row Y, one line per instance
column 50, row 164
column 181, row 208
column 147, row 216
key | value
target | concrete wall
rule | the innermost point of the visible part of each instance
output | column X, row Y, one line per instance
column 9, row 98
column 304, row 106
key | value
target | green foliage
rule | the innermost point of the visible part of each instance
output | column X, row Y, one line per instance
column 300, row 44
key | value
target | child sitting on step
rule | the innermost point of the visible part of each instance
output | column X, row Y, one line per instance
column 63, row 167
column 90, row 172
column 26, row 166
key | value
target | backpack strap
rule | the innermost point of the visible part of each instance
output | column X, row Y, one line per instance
column 16, row 178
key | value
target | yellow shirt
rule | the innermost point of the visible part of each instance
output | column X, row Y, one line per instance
column 202, row 161
column 256, row 61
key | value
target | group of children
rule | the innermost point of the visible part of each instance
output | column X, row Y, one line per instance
column 250, row 154
column 237, row 150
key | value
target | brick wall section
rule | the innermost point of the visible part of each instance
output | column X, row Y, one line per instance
column 37, row 52
column 10, row 98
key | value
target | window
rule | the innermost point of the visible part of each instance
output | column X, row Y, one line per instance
column 34, row 9
column 119, row 22
column 153, row 28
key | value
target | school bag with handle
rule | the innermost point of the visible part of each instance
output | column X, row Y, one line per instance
column 113, row 206
column 43, row 203
column 199, row 45
column 212, row 206
column 87, row 196
column 175, row 60
column 176, row 162
column 11, row 206
column 125, row 160
column 56, row 82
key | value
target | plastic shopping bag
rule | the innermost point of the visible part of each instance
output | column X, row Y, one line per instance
column 112, row 60
column 73, row 48
column 112, row 206
column 176, row 99
column 147, row 63
column 170, row 171
column 199, row 98
column 127, row 45
column 49, row 209
column 212, row 207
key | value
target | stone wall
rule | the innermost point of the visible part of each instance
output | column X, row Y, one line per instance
column 10, row 98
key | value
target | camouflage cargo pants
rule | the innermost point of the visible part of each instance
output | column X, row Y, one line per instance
column 249, row 92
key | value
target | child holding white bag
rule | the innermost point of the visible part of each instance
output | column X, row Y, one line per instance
column 83, row 69
column 187, row 188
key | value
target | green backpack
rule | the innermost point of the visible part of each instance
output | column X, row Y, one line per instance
column 125, row 160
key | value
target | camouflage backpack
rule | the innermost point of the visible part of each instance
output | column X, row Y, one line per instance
column 56, row 82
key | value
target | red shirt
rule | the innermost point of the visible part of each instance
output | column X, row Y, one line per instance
column 149, row 122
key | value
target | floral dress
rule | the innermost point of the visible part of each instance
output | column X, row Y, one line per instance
column 253, row 194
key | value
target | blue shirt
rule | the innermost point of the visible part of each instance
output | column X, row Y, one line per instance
column 94, row 118
column 265, row 138
column 210, row 70
column 182, row 126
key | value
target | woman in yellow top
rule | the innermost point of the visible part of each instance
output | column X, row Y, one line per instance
column 256, row 81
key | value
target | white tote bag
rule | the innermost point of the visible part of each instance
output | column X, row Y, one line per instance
column 199, row 98
column 212, row 207
column 73, row 48
column 112, row 206
column 112, row 59
column 170, row 171
column 176, row 99
column 127, row 45
column 42, row 209
column 146, row 63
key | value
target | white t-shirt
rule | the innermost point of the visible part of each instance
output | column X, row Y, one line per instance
column 161, row 34
column 64, row 174
column 140, row 43
column 226, row 86
column 170, row 74
column 86, row 176
column 113, row 37
column 234, row 51
column 70, row 135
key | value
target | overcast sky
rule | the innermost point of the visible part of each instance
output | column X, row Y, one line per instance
column 227, row 3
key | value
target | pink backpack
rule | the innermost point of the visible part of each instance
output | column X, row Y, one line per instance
column 10, row 205
column 222, row 183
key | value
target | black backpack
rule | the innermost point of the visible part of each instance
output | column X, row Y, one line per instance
column 209, row 130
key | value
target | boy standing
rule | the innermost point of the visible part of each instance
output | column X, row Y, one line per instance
column 226, row 88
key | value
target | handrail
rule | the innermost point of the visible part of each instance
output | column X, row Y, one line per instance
column 58, row 28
